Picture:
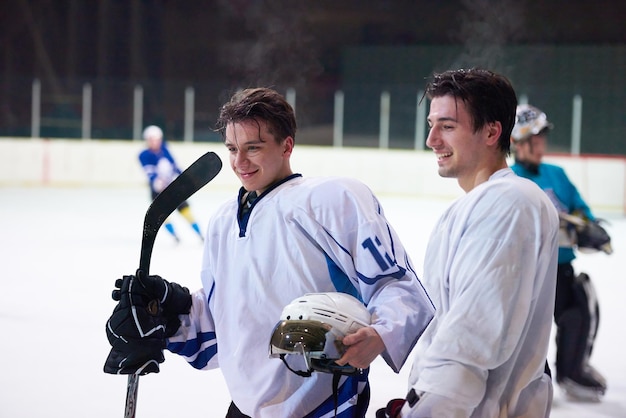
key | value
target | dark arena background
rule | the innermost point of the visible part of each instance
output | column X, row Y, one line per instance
column 102, row 69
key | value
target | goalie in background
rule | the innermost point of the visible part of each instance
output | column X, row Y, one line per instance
column 161, row 169
column 576, row 310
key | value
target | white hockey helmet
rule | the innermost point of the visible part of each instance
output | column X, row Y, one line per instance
column 313, row 326
column 529, row 121
column 152, row 131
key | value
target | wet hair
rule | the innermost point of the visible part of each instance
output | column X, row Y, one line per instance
column 489, row 97
column 259, row 104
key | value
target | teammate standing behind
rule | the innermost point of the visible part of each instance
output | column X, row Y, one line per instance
column 283, row 236
column 161, row 169
column 576, row 310
column 490, row 265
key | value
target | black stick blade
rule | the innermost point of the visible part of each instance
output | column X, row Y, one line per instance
column 203, row 170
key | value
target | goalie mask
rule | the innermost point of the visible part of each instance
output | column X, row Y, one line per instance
column 313, row 326
column 529, row 121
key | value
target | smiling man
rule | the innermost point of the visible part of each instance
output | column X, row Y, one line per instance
column 484, row 354
column 283, row 236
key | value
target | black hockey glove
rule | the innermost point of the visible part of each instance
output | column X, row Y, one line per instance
column 146, row 314
column 392, row 410
column 593, row 237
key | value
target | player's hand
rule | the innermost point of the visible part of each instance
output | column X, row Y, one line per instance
column 135, row 356
column 146, row 314
column 363, row 347
column 151, row 302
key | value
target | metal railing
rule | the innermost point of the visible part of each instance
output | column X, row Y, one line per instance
column 123, row 111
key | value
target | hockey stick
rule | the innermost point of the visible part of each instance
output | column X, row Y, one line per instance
column 202, row 171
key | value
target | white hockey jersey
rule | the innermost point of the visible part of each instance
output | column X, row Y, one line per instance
column 490, row 268
column 301, row 236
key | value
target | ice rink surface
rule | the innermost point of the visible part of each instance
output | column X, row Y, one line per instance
column 63, row 248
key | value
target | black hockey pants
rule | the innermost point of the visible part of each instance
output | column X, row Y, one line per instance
column 234, row 412
column 576, row 314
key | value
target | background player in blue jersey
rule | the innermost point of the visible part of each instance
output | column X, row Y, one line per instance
column 576, row 311
column 161, row 169
column 282, row 236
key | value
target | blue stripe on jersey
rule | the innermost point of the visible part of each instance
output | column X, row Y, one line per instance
column 398, row 274
column 354, row 385
column 193, row 348
column 204, row 357
column 340, row 280
column 190, row 347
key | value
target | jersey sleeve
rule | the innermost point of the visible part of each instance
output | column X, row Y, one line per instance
column 195, row 339
column 148, row 163
column 358, row 237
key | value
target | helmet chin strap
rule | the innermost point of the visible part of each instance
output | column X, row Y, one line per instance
column 309, row 370
column 336, row 370
column 336, row 377
column 300, row 373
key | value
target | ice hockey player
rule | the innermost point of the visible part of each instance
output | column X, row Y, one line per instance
column 161, row 169
column 282, row 237
column 576, row 312
column 490, row 266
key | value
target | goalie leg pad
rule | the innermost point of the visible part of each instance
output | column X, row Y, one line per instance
column 571, row 343
column 588, row 294
column 577, row 319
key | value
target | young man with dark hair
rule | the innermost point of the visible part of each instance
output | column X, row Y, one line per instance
column 490, row 265
column 282, row 237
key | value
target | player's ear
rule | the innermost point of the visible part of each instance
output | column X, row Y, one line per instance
column 493, row 131
column 288, row 145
